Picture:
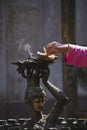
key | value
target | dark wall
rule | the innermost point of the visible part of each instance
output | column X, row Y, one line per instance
column 31, row 23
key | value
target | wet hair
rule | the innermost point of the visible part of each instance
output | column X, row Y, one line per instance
column 36, row 92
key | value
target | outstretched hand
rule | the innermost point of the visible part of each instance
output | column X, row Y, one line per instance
column 56, row 48
column 53, row 47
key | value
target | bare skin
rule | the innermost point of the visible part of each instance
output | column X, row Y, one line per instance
column 56, row 47
column 50, row 51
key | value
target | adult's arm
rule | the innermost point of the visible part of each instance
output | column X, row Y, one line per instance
column 76, row 55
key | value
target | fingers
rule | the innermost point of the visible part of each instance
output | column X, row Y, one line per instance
column 52, row 48
column 49, row 49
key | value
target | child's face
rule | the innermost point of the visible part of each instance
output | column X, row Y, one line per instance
column 38, row 104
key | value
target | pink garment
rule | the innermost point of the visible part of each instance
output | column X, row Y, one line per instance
column 76, row 56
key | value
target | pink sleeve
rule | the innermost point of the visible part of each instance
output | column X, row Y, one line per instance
column 76, row 56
